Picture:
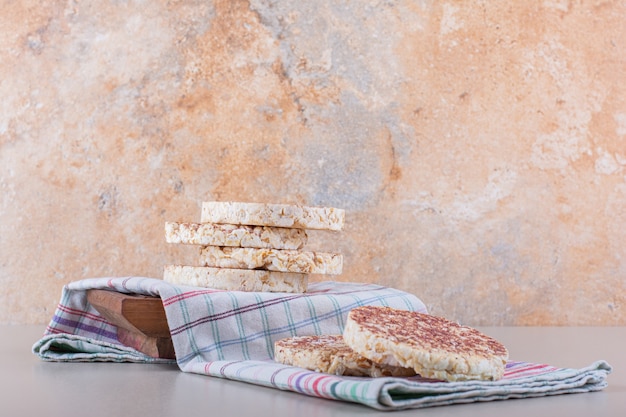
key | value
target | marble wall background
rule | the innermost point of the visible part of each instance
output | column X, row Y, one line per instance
column 478, row 147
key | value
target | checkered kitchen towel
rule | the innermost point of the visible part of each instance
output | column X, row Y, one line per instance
column 231, row 335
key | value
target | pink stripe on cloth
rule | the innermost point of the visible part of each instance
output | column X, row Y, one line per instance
column 524, row 369
column 187, row 295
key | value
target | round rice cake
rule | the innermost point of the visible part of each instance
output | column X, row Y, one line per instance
column 253, row 280
column 433, row 346
column 330, row 354
column 235, row 235
column 304, row 262
column 275, row 215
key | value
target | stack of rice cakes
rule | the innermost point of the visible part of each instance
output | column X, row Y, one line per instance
column 254, row 247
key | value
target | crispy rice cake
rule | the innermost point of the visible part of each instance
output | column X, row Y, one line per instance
column 276, row 215
column 236, row 279
column 329, row 354
column 433, row 346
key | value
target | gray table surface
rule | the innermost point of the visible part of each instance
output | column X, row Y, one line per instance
column 32, row 387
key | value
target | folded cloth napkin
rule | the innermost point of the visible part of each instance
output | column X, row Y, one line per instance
column 231, row 334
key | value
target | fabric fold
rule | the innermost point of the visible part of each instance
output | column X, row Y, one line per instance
column 534, row 380
column 64, row 347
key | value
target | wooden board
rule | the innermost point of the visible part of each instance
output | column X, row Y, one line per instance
column 140, row 320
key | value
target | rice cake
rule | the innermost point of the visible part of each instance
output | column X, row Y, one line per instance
column 306, row 262
column 330, row 354
column 235, row 235
column 236, row 279
column 275, row 215
column 433, row 346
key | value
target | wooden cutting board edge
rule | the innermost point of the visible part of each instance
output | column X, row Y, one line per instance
column 140, row 320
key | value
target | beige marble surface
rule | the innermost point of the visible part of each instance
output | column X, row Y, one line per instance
column 478, row 148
